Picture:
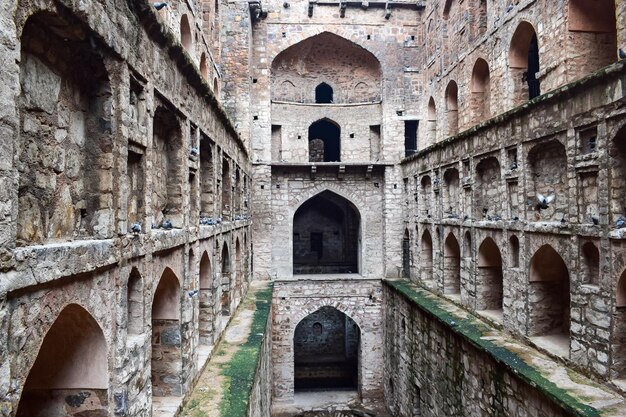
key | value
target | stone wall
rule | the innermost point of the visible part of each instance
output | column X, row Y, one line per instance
column 102, row 133
column 435, row 365
column 359, row 300
column 561, row 261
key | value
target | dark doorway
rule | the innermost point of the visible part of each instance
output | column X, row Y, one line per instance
column 324, row 141
column 406, row 255
column 326, row 351
column 323, row 94
column 534, row 89
column 326, row 234
column 410, row 137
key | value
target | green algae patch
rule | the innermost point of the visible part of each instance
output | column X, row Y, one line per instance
column 240, row 371
column 473, row 331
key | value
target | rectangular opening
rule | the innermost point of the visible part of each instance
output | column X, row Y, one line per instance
column 587, row 140
column 410, row 137
column 277, row 145
column 135, row 197
column 375, row 142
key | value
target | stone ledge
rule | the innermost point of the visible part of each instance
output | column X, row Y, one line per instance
column 226, row 383
column 573, row 392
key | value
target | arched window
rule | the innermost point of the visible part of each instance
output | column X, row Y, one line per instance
column 481, row 91
column 186, row 37
column 326, row 236
column 323, row 94
column 326, row 351
column 324, row 141
column 514, row 251
column 524, row 63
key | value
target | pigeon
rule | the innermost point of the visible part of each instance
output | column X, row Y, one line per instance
column 194, row 151
column 159, row 5
column 219, row 220
column 516, row 218
column 167, row 225
column 207, row 221
column 595, row 220
column 513, row 166
column 497, row 218
column 621, row 223
column 192, row 293
column 465, row 218
column 622, row 54
column 563, row 220
column 136, row 228
column 544, row 202
column 238, row 217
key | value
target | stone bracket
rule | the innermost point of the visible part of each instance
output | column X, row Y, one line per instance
column 256, row 10
column 368, row 172
column 341, row 172
column 313, row 171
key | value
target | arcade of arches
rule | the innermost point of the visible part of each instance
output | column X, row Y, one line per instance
column 275, row 209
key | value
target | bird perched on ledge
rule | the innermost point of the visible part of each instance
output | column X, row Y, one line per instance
column 136, row 228
column 159, row 5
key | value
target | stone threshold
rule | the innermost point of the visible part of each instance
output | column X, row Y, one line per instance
column 577, row 394
column 224, row 386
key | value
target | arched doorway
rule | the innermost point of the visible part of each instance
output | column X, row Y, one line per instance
column 524, row 63
column 324, row 141
column 426, row 257
column 72, row 362
column 326, row 346
column 326, row 236
column 166, row 337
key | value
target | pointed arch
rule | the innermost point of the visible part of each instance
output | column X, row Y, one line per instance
column 324, row 141
column 549, row 293
column 490, row 288
column 206, row 315
column 326, row 235
column 226, row 293
column 480, row 88
column 135, row 302
column 326, row 340
column 72, row 360
column 406, row 254
column 452, row 107
column 426, row 256
column 186, row 37
column 524, row 63
column 452, row 265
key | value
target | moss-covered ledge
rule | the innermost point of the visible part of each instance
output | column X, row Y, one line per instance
column 226, row 385
column 573, row 392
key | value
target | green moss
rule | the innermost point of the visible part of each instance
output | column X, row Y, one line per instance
column 239, row 372
column 473, row 331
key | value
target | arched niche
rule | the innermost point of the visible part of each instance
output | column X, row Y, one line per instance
column 72, row 361
column 326, row 346
column 204, row 66
column 406, row 254
column 326, row 236
column 426, row 195
column 514, row 251
column 489, row 277
column 432, row 121
column 186, row 37
column 451, row 265
column 592, row 29
column 618, row 365
column 135, row 302
column 452, row 108
column 206, row 315
column 451, row 206
column 226, row 287
column 590, row 263
column 227, row 190
column 426, row 256
column 330, row 59
column 324, row 141
column 65, row 93
column 488, row 203
column 548, row 173
column 167, row 187
column 480, row 88
column 524, row 63
column 166, row 337
column 549, row 294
